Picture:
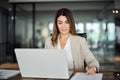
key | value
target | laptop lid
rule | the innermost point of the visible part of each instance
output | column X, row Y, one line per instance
column 42, row 63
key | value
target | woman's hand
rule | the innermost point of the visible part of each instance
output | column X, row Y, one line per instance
column 91, row 70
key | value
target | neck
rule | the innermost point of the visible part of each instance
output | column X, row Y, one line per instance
column 64, row 36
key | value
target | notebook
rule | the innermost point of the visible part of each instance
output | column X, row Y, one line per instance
column 43, row 63
column 5, row 74
column 85, row 76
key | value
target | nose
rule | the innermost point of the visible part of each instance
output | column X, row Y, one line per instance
column 63, row 25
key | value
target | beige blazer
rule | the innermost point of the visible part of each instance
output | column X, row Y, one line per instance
column 80, row 52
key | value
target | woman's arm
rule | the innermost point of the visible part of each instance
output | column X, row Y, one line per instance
column 91, row 61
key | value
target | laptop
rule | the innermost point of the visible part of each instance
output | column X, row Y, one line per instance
column 43, row 63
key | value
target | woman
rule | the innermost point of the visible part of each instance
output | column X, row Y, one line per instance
column 65, row 37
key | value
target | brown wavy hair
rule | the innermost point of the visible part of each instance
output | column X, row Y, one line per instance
column 68, row 14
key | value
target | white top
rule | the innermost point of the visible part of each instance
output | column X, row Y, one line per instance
column 67, row 48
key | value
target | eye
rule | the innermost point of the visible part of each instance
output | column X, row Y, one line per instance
column 59, row 22
column 67, row 22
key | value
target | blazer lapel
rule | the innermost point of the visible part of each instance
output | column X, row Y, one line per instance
column 73, row 50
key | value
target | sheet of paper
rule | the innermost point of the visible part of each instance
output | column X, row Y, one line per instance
column 85, row 76
column 5, row 74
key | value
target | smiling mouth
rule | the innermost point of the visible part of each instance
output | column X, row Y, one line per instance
column 63, row 29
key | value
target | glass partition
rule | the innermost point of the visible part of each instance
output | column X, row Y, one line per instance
column 24, row 26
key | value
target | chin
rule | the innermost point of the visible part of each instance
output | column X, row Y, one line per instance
column 64, row 33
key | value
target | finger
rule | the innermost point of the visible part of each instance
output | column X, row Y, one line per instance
column 90, row 70
column 87, row 70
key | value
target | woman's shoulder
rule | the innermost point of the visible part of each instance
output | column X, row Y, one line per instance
column 77, row 37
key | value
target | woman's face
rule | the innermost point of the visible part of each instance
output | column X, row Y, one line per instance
column 63, row 25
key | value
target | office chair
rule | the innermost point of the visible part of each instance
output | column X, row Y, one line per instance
column 82, row 35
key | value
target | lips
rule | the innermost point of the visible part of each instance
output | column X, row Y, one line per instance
column 63, row 30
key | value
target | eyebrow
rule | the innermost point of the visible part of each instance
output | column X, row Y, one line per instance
column 61, row 21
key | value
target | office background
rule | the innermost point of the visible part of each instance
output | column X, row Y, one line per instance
column 26, row 24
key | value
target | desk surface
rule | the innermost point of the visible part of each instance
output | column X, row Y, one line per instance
column 107, row 74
